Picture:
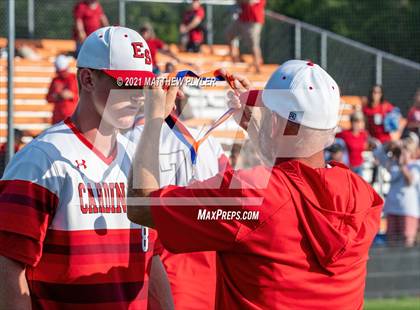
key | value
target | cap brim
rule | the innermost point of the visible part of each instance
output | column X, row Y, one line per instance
column 131, row 77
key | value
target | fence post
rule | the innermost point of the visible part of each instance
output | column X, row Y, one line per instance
column 10, row 71
column 121, row 12
column 298, row 41
column 31, row 18
column 379, row 68
column 209, row 22
column 324, row 50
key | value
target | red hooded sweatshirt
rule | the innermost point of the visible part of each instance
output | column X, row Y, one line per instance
column 307, row 250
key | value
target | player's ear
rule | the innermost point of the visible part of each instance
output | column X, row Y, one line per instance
column 86, row 79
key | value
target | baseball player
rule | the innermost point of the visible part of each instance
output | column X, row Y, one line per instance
column 65, row 240
column 192, row 276
column 308, row 246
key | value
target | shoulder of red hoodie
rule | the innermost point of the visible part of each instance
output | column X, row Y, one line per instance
column 338, row 210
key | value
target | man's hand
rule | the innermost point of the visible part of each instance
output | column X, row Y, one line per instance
column 237, row 100
column 160, row 103
column 66, row 94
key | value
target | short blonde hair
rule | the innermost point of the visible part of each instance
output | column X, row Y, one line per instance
column 410, row 144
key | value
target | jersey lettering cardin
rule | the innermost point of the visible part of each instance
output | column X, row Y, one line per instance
column 63, row 214
column 193, row 275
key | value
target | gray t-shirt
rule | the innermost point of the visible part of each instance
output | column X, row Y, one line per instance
column 404, row 199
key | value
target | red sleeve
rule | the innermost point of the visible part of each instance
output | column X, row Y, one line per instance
column 365, row 135
column 200, row 13
column 78, row 11
column 176, row 212
column 26, row 210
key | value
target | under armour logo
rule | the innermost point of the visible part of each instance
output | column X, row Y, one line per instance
column 81, row 163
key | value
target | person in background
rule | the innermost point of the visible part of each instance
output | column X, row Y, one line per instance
column 63, row 90
column 156, row 45
column 402, row 206
column 376, row 110
column 336, row 153
column 191, row 29
column 413, row 116
column 356, row 139
column 88, row 17
column 248, row 27
column 3, row 149
column 169, row 67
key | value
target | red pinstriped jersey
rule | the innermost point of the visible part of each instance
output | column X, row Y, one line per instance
column 63, row 214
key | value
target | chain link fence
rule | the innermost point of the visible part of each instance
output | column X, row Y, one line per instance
column 51, row 19
column 354, row 66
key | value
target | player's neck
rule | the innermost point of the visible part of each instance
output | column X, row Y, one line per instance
column 95, row 129
column 315, row 161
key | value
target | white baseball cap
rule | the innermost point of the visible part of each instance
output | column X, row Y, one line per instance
column 304, row 93
column 62, row 63
column 119, row 52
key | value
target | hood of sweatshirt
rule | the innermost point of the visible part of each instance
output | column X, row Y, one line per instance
column 338, row 211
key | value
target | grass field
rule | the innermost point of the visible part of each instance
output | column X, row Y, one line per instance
column 393, row 304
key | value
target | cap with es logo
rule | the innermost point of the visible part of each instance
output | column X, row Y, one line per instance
column 303, row 92
column 119, row 52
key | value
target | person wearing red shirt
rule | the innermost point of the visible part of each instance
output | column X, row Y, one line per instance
column 63, row 90
column 413, row 117
column 356, row 139
column 156, row 45
column 291, row 234
column 191, row 29
column 88, row 17
column 375, row 112
column 248, row 27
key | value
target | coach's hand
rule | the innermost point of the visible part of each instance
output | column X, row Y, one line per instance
column 240, row 85
column 160, row 103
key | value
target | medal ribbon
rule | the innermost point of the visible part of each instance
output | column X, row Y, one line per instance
column 178, row 127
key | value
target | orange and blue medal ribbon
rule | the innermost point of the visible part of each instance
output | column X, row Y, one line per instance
column 178, row 127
